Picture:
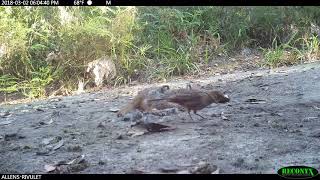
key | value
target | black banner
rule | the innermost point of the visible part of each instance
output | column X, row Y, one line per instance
column 156, row 2
column 140, row 176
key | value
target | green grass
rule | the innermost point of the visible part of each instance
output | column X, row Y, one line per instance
column 146, row 43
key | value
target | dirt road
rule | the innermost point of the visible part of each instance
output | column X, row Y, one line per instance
column 271, row 121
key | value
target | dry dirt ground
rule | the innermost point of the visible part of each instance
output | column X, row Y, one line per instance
column 271, row 121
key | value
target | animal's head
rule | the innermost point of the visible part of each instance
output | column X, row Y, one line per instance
column 89, row 67
column 218, row 97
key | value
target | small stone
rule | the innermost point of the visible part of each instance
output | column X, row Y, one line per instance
column 224, row 118
column 214, row 115
column 26, row 147
column 217, row 171
column 5, row 114
column 74, row 148
column 114, row 109
column 256, row 124
column 183, row 172
column 239, row 125
column 8, row 137
column 102, row 125
column 203, row 168
column 120, row 137
column 49, row 168
column 61, row 106
column 257, row 115
column 101, row 162
column 259, row 75
column 239, row 162
column 55, row 100
column 50, row 140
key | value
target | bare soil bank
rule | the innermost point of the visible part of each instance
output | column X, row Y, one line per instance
column 271, row 121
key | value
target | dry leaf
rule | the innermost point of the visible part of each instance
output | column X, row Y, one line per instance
column 135, row 133
column 4, row 114
column 49, row 168
column 47, row 141
column 76, row 160
column 155, row 127
column 114, row 109
column 50, row 122
column 183, row 172
column 317, row 108
column 58, row 145
column 255, row 101
column 216, row 171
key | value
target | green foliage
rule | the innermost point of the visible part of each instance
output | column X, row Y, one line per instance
column 151, row 43
column 8, row 84
column 274, row 55
column 36, row 86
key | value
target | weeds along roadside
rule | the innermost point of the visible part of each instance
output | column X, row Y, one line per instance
column 147, row 43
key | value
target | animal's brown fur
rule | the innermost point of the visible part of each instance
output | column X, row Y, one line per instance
column 141, row 101
column 193, row 99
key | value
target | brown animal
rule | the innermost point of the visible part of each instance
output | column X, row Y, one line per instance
column 195, row 100
column 141, row 101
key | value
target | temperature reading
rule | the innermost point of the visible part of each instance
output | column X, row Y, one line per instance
column 78, row 2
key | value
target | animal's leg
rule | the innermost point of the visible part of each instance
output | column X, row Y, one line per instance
column 89, row 67
column 107, row 78
column 97, row 78
column 190, row 114
column 195, row 112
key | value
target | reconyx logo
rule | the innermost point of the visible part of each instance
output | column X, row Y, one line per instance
column 297, row 172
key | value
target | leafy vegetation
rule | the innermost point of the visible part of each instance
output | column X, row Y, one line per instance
column 150, row 43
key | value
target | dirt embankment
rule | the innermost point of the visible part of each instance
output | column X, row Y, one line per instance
column 271, row 121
